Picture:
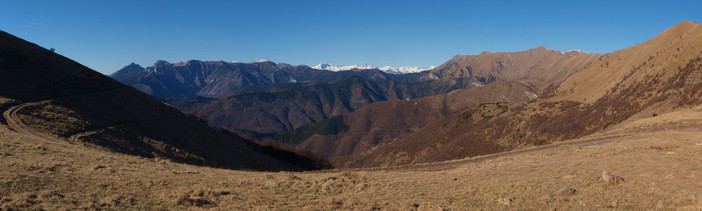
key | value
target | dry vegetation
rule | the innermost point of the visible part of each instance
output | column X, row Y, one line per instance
column 657, row 159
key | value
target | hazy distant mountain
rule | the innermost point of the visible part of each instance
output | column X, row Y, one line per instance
column 218, row 78
column 387, row 69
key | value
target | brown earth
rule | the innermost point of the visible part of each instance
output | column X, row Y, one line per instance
column 652, row 78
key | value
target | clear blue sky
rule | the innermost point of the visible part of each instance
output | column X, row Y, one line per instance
column 109, row 34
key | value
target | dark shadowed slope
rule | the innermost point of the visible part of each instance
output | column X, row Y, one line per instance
column 48, row 95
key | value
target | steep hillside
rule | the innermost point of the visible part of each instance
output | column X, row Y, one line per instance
column 655, row 77
column 384, row 121
column 661, row 57
column 537, row 67
column 46, row 95
column 219, row 79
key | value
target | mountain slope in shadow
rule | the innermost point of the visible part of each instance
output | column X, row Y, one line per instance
column 45, row 94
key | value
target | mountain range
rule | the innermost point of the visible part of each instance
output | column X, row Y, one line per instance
column 505, row 77
column 219, row 79
column 410, row 131
column 388, row 69
column 265, row 105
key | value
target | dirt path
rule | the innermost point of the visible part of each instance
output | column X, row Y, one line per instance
column 15, row 123
column 450, row 164
column 599, row 139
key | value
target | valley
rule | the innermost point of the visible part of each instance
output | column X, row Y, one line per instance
column 535, row 129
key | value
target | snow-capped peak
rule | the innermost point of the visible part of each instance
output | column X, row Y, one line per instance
column 387, row 69
column 261, row 60
column 326, row 66
column 573, row 51
column 322, row 66
column 404, row 70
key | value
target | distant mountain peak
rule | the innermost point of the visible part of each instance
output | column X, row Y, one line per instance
column 685, row 24
column 160, row 62
column 133, row 65
column 129, row 69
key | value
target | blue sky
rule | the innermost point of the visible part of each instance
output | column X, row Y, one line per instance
column 109, row 34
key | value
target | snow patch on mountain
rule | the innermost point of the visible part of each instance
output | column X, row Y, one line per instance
column 577, row 51
column 387, row 69
column 325, row 66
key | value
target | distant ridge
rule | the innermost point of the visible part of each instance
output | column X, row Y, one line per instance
column 220, row 79
column 388, row 69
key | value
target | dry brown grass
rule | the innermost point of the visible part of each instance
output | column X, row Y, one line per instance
column 659, row 161
column 659, row 76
